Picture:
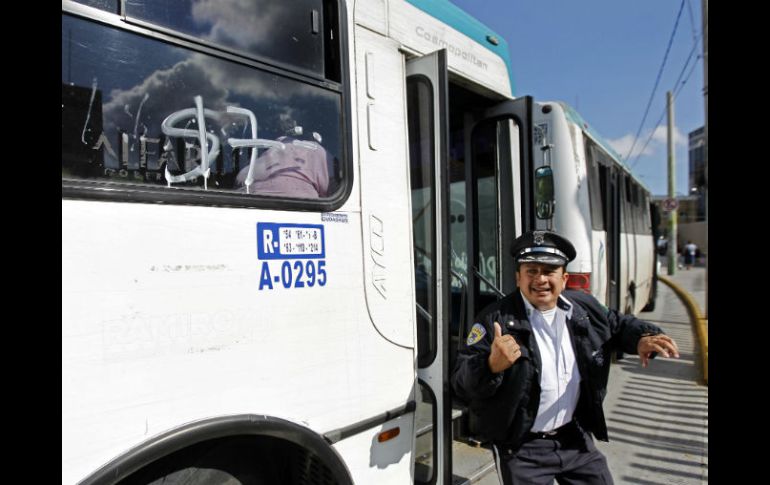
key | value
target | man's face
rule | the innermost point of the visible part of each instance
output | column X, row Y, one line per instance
column 541, row 283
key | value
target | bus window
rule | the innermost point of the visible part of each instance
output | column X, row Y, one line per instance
column 628, row 206
column 140, row 112
column 284, row 32
column 595, row 192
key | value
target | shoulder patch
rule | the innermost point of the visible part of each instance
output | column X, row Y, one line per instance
column 477, row 333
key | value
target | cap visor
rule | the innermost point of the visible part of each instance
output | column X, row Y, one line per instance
column 543, row 258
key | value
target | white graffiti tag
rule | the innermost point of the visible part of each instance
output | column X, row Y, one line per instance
column 207, row 154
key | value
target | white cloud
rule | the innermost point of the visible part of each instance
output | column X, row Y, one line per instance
column 661, row 136
column 642, row 147
column 623, row 144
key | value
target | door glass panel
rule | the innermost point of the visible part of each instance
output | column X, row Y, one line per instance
column 424, row 462
column 422, row 179
column 458, row 227
column 485, row 145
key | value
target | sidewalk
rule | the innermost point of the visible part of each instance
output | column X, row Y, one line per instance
column 658, row 416
column 693, row 281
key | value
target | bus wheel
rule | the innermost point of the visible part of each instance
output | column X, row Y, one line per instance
column 239, row 460
column 650, row 306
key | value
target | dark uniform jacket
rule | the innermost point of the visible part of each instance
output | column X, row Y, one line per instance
column 504, row 405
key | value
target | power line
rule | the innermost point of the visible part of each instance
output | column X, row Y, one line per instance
column 677, row 88
column 692, row 22
column 657, row 80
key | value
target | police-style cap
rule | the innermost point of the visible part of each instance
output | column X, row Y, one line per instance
column 543, row 247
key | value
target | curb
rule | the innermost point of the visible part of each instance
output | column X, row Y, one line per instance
column 698, row 320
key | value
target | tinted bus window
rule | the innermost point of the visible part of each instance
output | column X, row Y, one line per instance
column 136, row 110
column 287, row 32
column 595, row 198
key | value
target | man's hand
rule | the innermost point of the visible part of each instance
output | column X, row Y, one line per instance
column 505, row 351
column 662, row 344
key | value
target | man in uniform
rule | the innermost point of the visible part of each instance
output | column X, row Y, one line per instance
column 535, row 367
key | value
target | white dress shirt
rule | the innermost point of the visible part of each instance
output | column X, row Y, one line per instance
column 559, row 377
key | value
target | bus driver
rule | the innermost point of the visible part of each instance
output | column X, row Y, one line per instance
column 535, row 367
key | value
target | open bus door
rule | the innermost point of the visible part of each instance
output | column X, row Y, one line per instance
column 498, row 201
column 499, row 206
column 508, row 127
column 426, row 85
column 488, row 181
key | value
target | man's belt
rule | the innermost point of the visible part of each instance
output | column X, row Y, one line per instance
column 553, row 434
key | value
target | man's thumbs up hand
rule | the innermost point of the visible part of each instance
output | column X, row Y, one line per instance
column 504, row 352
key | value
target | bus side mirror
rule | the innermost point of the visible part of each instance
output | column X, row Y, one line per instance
column 544, row 201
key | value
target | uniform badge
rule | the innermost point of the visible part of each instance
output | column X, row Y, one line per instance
column 539, row 237
column 477, row 333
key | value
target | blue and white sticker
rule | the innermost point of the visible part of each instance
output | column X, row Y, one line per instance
column 292, row 255
column 477, row 333
column 290, row 241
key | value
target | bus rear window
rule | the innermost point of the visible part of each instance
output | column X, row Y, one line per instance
column 138, row 110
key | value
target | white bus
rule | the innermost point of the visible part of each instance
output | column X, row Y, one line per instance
column 599, row 205
column 263, row 278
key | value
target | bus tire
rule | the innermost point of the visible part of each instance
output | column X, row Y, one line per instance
column 649, row 307
column 243, row 449
column 237, row 460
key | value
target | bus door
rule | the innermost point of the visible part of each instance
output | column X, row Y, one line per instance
column 500, row 200
column 426, row 87
column 467, row 205
column 491, row 154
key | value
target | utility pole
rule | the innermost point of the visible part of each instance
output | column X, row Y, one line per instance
column 705, row 17
column 672, row 253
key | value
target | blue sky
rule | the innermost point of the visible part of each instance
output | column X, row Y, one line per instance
column 603, row 57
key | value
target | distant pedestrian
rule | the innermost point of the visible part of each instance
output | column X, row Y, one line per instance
column 535, row 366
column 690, row 251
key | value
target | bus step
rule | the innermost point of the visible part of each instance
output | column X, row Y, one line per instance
column 424, row 423
column 470, row 464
